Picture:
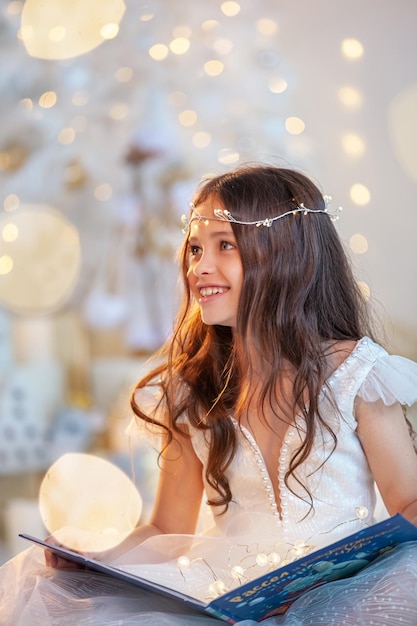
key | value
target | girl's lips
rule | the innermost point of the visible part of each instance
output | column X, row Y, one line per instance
column 207, row 294
column 210, row 291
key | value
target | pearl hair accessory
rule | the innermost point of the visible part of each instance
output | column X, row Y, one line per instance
column 223, row 215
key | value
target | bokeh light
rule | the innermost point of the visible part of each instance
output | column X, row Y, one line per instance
column 41, row 260
column 88, row 502
column 364, row 289
column 350, row 97
column 352, row 49
column 360, row 194
column 294, row 125
column 64, row 29
column 230, row 8
column 358, row 244
column 353, row 144
column 403, row 129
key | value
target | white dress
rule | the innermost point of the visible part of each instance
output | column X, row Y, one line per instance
column 344, row 499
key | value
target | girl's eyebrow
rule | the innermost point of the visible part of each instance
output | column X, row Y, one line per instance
column 217, row 233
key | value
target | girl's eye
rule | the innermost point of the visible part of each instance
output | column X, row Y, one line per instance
column 194, row 250
column 226, row 245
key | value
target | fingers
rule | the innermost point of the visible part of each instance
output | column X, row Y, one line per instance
column 58, row 562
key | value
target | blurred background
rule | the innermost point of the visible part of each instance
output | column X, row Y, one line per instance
column 110, row 114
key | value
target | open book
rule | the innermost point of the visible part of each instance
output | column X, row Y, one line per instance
column 272, row 593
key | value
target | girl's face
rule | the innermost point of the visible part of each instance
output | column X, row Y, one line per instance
column 215, row 272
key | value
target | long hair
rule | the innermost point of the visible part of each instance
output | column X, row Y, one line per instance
column 298, row 296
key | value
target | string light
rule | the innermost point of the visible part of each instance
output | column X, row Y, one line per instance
column 250, row 559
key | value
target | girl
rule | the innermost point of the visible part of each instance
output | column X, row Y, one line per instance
column 276, row 409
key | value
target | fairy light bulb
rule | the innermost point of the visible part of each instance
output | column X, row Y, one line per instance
column 261, row 559
column 274, row 558
column 237, row 572
column 183, row 562
column 299, row 548
column 217, row 588
column 361, row 512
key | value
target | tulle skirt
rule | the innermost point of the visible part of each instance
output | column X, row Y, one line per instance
column 385, row 593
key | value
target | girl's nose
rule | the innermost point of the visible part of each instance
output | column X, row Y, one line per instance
column 205, row 265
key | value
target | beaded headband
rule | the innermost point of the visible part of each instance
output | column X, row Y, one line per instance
column 223, row 215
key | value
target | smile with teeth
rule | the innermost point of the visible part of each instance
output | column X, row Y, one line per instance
column 205, row 292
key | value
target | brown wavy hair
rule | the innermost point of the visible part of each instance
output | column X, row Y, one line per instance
column 298, row 296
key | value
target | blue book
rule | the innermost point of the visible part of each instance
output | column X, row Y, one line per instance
column 272, row 593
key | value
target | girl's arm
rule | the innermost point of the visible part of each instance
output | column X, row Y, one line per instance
column 385, row 438
column 177, row 502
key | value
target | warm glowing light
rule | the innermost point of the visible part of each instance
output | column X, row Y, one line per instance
column 230, row 8
column 223, row 46
column 353, row 144
column 267, row 26
column 352, row 49
column 66, row 136
column 209, row 25
column 360, row 194
column 350, row 97
column 119, row 111
column 201, row 139
column 48, row 99
column 105, row 504
column 66, row 29
column 158, row 52
column 13, row 156
column 110, row 30
column 294, row 125
column 213, row 68
column 4, row 161
column 146, row 17
column 103, row 192
column 11, row 202
column 403, row 129
column 180, row 45
column 57, row 34
column 227, row 156
column 183, row 562
column 277, row 84
column 10, row 232
column 358, row 244
column 364, row 289
column 26, row 103
column 124, row 74
column 187, row 118
column 46, row 259
column 6, row 265
column 261, row 559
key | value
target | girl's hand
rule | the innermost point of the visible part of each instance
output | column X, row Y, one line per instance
column 57, row 561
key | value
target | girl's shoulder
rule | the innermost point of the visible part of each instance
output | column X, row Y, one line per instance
column 374, row 373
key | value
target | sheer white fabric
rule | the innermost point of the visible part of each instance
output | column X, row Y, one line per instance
column 380, row 594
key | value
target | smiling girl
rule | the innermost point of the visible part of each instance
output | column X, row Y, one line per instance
column 276, row 409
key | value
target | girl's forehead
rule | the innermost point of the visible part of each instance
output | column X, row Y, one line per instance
column 205, row 221
column 205, row 218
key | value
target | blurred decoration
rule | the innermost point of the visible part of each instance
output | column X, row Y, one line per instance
column 403, row 128
column 64, row 29
column 12, row 156
column 105, row 505
column 75, row 175
column 40, row 259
